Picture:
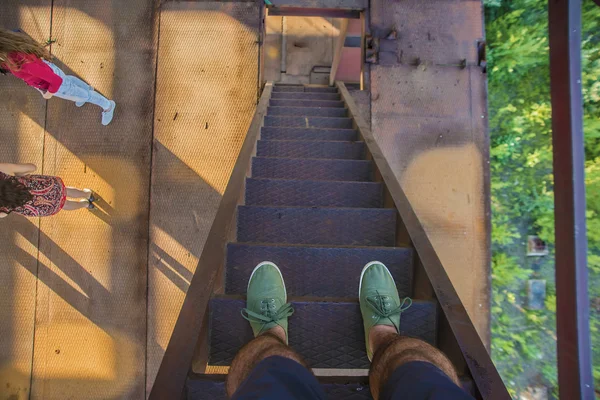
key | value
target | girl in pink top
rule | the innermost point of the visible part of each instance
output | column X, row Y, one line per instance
column 29, row 61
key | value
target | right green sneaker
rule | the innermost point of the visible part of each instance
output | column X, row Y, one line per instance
column 379, row 300
column 266, row 300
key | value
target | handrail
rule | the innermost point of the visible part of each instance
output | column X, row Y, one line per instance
column 482, row 369
column 176, row 362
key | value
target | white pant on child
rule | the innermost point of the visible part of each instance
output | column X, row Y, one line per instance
column 74, row 89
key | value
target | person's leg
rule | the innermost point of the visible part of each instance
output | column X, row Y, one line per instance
column 401, row 367
column 71, row 205
column 78, row 193
column 73, row 91
column 404, row 365
column 99, row 100
column 69, row 91
column 267, row 368
column 81, row 83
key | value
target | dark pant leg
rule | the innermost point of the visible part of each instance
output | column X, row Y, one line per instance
column 418, row 380
column 279, row 378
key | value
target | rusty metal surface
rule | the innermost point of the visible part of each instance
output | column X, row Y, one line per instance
column 431, row 121
column 438, row 31
column 207, row 81
column 405, row 90
column 468, row 341
column 91, row 304
column 22, row 112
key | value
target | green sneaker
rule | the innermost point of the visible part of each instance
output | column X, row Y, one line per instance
column 379, row 300
column 266, row 301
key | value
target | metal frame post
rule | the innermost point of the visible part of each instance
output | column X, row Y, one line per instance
column 572, row 309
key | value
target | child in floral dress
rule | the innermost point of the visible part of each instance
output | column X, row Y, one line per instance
column 37, row 195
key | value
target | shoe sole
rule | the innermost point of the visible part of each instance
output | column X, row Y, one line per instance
column 278, row 270
column 365, row 270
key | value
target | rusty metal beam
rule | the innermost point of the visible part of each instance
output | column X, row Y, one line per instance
column 482, row 369
column 572, row 303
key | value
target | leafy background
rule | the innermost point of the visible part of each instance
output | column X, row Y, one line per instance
column 523, row 340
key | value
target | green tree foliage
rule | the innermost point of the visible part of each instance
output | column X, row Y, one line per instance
column 522, row 184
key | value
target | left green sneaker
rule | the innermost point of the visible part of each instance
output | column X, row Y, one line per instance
column 266, row 300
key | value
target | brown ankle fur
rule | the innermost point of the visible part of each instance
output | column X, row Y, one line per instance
column 401, row 350
column 263, row 346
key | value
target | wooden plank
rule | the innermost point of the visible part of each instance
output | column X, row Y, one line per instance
column 176, row 362
column 486, row 377
column 339, row 47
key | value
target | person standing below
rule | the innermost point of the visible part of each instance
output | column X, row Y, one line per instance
column 31, row 62
column 37, row 195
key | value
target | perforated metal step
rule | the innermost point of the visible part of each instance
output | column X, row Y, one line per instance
column 308, row 122
column 289, row 192
column 317, row 271
column 327, row 335
column 320, row 226
column 305, row 89
column 306, row 103
column 312, row 169
column 311, row 149
column 308, row 111
column 305, row 96
column 282, row 133
column 211, row 387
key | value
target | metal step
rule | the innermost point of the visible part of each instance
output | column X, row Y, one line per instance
column 305, row 96
column 311, row 149
column 289, row 192
column 305, row 103
column 308, row 111
column 212, row 387
column 279, row 133
column 326, row 334
column 317, row 271
column 319, row 226
column 311, row 169
column 305, row 89
column 309, row 122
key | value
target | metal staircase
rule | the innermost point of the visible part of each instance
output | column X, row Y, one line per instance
column 314, row 199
